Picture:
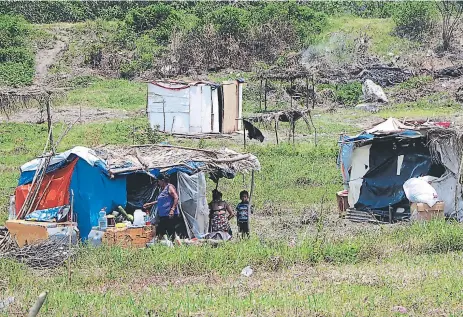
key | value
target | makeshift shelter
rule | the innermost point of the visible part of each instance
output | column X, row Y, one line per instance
column 107, row 177
column 195, row 107
column 376, row 163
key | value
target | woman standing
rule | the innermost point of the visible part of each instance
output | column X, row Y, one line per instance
column 167, row 208
column 220, row 213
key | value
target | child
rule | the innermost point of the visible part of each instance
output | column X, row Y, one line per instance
column 242, row 214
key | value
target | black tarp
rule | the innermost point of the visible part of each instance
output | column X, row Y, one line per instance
column 381, row 185
column 141, row 189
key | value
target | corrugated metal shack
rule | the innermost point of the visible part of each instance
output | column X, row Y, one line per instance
column 195, row 107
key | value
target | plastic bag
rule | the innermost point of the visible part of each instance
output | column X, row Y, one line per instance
column 420, row 191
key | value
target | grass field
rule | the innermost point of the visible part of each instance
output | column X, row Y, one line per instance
column 329, row 267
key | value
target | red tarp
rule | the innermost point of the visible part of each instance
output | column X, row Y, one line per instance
column 56, row 188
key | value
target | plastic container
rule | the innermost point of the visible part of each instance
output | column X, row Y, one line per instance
column 102, row 220
column 139, row 218
column 12, row 209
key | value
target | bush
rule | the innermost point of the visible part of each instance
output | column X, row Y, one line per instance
column 16, row 58
column 230, row 21
column 16, row 74
column 306, row 22
column 414, row 19
column 347, row 94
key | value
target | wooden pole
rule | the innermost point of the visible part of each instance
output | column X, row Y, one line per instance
column 291, row 94
column 260, row 95
column 276, row 130
column 71, row 231
column 49, row 118
column 294, row 129
column 244, row 136
column 265, row 95
column 38, row 304
column 250, row 199
column 307, row 92
column 313, row 92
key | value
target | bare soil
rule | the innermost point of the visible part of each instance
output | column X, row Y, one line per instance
column 67, row 114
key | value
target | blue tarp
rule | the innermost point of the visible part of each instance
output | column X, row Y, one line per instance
column 381, row 185
column 94, row 190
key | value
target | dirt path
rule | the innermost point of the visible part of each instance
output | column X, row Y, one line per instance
column 45, row 58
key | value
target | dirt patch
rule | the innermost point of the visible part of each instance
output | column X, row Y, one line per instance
column 45, row 59
column 68, row 114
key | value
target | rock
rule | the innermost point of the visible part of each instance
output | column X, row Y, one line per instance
column 370, row 107
column 373, row 92
column 247, row 271
column 5, row 303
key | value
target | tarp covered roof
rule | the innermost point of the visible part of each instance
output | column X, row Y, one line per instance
column 157, row 159
column 393, row 128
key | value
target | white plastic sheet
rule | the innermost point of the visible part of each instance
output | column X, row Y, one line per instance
column 419, row 191
column 192, row 199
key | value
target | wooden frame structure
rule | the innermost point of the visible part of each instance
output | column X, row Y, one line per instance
column 285, row 75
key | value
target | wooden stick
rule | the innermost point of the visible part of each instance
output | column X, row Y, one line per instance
column 265, row 95
column 244, row 136
column 38, row 304
column 250, row 198
column 43, row 194
column 49, row 117
column 260, row 95
column 276, row 130
column 71, row 231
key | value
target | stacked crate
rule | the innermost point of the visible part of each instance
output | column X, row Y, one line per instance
column 128, row 237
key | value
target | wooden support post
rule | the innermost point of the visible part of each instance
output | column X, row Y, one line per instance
column 265, row 95
column 251, row 192
column 276, row 130
column 71, row 231
column 244, row 136
column 294, row 129
column 291, row 94
column 307, row 92
column 313, row 92
column 260, row 95
column 49, row 118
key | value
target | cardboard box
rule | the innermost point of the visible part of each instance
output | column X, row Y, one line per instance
column 343, row 203
column 422, row 212
column 128, row 237
column 30, row 232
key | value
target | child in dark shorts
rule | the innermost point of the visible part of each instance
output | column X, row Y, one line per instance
column 242, row 214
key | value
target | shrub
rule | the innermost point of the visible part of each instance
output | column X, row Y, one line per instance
column 230, row 21
column 16, row 58
column 414, row 19
column 347, row 94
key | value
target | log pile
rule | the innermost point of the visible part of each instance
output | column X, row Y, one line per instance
column 384, row 75
column 46, row 254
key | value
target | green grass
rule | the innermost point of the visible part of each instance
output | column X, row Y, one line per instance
column 368, row 273
column 334, row 268
column 380, row 32
column 114, row 94
column 435, row 106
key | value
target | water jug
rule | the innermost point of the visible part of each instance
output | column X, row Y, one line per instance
column 102, row 221
column 139, row 218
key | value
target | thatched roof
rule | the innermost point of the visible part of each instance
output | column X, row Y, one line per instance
column 165, row 157
column 283, row 73
column 14, row 99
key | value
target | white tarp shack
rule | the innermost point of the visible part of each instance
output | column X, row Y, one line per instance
column 376, row 163
column 195, row 107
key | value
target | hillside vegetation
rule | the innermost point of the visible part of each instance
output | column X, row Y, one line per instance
column 306, row 260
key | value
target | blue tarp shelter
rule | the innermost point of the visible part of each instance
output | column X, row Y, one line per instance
column 99, row 177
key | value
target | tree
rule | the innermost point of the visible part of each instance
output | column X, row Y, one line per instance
column 451, row 12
